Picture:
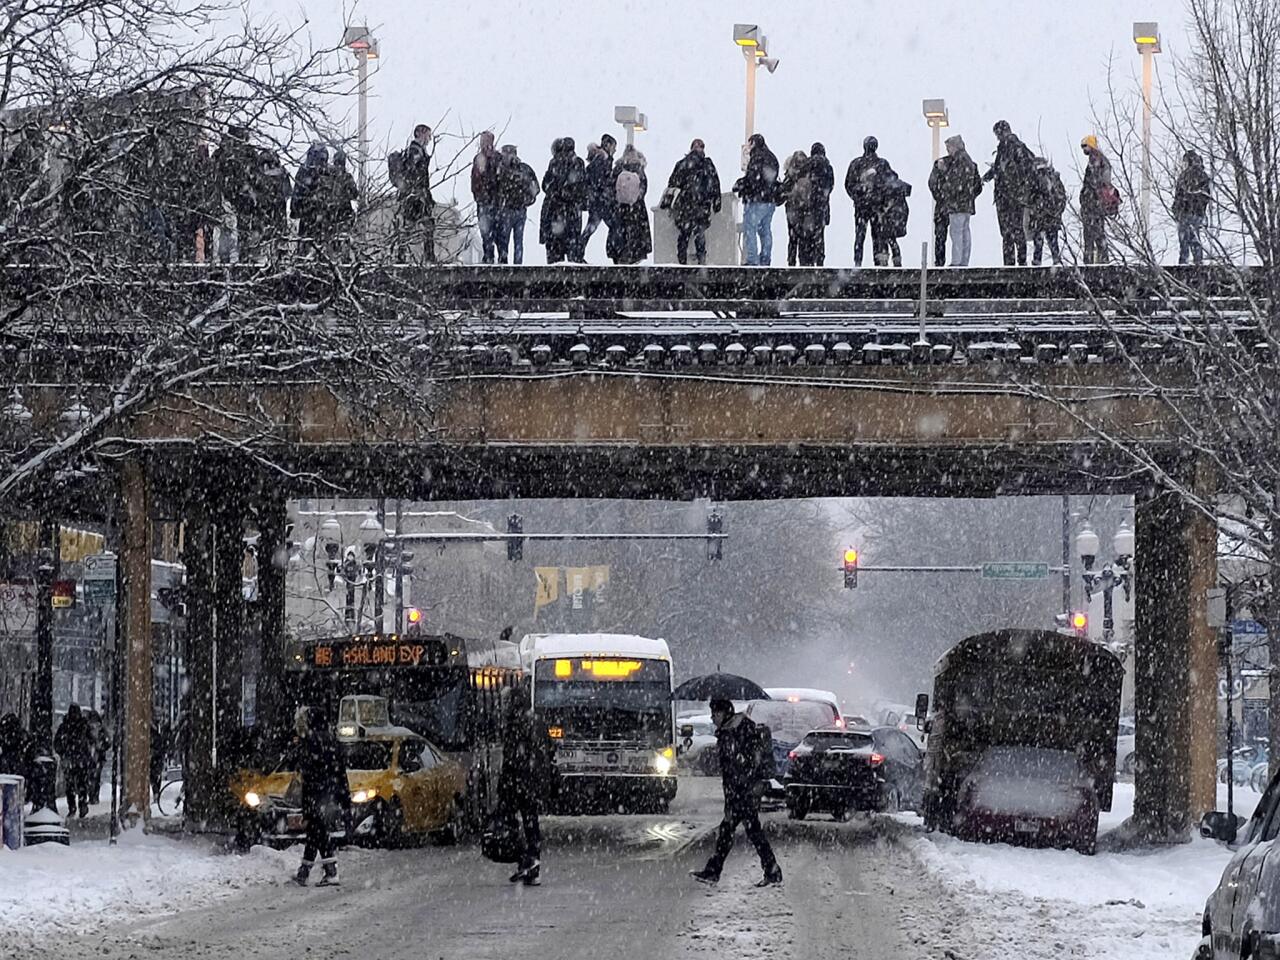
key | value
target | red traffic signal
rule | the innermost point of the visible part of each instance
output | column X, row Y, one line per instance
column 850, row 568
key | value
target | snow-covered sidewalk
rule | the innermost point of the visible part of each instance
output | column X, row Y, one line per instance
column 1054, row 903
column 51, row 889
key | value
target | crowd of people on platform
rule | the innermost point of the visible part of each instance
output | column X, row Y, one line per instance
column 1030, row 201
column 243, row 195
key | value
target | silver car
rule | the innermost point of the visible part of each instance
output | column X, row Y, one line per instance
column 1242, row 917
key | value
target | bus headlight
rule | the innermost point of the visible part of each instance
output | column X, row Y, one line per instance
column 252, row 800
column 363, row 796
column 663, row 762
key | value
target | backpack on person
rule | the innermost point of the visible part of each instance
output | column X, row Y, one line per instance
column 529, row 184
column 1109, row 200
column 627, row 187
column 396, row 169
column 1054, row 192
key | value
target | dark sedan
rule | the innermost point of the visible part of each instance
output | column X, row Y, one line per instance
column 836, row 771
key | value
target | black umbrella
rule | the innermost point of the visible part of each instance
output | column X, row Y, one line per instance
column 719, row 686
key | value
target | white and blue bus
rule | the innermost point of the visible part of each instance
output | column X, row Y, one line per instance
column 606, row 701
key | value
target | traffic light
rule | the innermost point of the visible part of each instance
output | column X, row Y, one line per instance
column 515, row 546
column 414, row 616
column 850, row 568
column 1080, row 623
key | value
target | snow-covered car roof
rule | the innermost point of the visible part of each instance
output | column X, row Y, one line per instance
column 542, row 645
column 804, row 693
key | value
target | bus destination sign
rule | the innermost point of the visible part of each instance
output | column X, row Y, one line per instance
column 377, row 652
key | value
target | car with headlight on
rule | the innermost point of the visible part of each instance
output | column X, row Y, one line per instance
column 402, row 786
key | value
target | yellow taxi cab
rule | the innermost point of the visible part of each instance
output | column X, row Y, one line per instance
column 401, row 784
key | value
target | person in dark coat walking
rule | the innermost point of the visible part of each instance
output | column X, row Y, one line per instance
column 822, row 181
column 1048, row 202
column 564, row 186
column 955, row 183
column 1093, row 204
column 525, row 781
column 99, row 742
column 1191, row 206
column 758, row 190
column 74, row 746
column 630, row 237
column 317, row 756
column 745, row 751
column 601, row 186
column 861, row 183
column 1012, row 171
column 517, row 190
column 696, row 186
column 417, row 205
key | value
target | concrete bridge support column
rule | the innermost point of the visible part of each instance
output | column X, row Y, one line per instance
column 1175, row 672
column 203, row 793
column 228, row 562
column 136, row 611
column 273, row 714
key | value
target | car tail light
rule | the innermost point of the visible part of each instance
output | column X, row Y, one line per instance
column 840, row 722
column 791, row 755
column 877, row 759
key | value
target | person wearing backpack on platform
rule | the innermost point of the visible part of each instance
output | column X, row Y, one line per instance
column 517, row 190
column 1048, row 202
column 630, row 237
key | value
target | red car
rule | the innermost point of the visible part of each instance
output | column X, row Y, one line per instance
column 1028, row 796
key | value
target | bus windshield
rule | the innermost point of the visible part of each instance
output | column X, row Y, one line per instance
column 604, row 697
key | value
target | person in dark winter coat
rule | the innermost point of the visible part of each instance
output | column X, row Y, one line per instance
column 74, row 746
column 528, row 769
column 517, row 190
column 1191, row 206
column 698, row 185
column 564, row 186
column 890, row 221
column 484, row 190
column 254, row 184
column 196, row 208
column 822, row 180
column 601, row 187
column 630, row 237
column 1012, row 171
column 758, row 190
column 1093, row 211
column 861, row 183
column 17, row 749
column 955, row 183
column 796, row 191
column 317, row 756
column 338, row 193
column 308, row 193
column 745, row 751
column 1048, row 202
column 100, row 742
column 417, row 205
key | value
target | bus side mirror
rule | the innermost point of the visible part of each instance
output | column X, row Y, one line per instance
column 686, row 731
column 922, row 709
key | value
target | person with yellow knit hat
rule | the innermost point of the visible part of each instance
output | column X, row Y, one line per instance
column 1098, row 200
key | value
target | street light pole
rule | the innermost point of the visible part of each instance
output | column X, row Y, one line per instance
column 362, row 43
column 752, row 66
column 1147, row 37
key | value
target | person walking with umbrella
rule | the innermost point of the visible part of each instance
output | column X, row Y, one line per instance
column 746, row 758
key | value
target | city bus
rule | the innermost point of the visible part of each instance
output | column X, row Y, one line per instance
column 443, row 687
column 606, row 701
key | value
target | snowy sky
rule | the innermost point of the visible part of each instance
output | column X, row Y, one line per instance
column 848, row 68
